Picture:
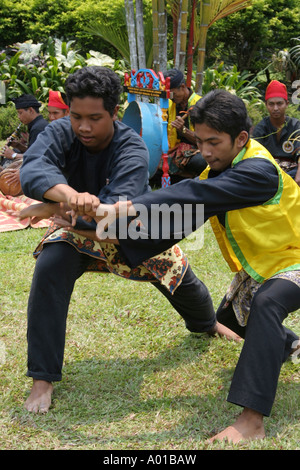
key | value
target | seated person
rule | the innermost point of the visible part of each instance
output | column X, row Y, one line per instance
column 279, row 133
column 57, row 107
column 185, row 159
column 27, row 107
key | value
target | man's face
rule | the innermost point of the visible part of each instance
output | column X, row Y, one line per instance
column 276, row 107
column 216, row 147
column 56, row 113
column 178, row 94
column 26, row 115
column 92, row 124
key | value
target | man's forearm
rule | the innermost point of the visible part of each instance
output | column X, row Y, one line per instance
column 59, row 193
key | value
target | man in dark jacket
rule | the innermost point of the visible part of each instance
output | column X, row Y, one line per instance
column 279, row 133
column 27, row 107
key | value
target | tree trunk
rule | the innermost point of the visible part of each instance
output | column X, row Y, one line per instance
column 140, row 34
column 190, row 48
column 182, row 35
column 175, row 27
column 204, row 19
column 211, row 11
column 176, row 64
column 162, row 35
column 155, row 36
column 129, row 8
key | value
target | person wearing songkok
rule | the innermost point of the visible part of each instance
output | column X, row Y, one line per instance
column 57, row 107
column 27, row 107
column 279, row 133
column 184, row 160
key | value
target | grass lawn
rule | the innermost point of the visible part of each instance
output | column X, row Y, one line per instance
column 134, row 378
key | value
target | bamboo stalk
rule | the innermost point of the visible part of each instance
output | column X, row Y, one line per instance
column 204, row 20
column 140, row 34
column 190, row 48
column 162, row 35
column 181, row 35
column 211, row 11
column 155, row 35
column 129, row 8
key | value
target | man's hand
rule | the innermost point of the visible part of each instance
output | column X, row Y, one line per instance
column 8, row 152
column 79, row 204
column 107, row 214
column 37, row 212
column 83, row 204
column 178, row 123
column 12, row 176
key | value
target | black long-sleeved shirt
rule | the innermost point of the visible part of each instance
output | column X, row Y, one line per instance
column 58, row 157
column 266, row 134
column 250, row 182
column 35, row 127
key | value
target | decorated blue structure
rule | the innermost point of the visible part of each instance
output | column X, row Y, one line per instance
column 150, row 120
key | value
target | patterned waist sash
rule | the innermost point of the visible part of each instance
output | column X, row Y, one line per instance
column 168, row 268
column 243, row 288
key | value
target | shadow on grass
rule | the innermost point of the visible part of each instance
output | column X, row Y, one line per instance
column 147, row 403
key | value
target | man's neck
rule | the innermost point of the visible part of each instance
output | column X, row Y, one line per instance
column 278, row 123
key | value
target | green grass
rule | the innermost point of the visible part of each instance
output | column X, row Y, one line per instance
column 134, row 378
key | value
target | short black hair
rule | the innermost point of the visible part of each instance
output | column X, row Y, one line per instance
column 222, row 111
column 95, row 81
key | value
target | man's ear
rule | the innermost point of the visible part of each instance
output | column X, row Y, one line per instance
column 115, row 115
column 242, row 139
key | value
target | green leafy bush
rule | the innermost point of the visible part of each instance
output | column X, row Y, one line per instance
column 37, row 68
column 8, row 120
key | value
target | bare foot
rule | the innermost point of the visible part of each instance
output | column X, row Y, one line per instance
column 248, row 426
column 39, row 400
column 222, row 330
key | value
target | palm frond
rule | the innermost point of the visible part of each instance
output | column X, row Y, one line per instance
column 116, row 37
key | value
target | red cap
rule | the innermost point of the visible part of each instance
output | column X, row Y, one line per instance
column 276, row 89
column 55, row 100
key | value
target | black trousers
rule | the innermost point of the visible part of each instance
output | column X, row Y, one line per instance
column 267, row 344
column 57, row 268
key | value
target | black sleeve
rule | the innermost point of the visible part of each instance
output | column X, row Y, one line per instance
column 251, row 182
column 36, row 130
column 45, row 159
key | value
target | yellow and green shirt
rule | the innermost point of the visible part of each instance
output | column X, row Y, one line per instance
column 264, row 239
